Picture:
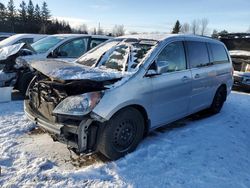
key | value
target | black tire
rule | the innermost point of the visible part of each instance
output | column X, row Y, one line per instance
column 122, row 133
column 218, row 101
column 24, row 82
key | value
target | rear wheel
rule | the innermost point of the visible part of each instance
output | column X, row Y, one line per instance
column 218, row 101
column 122, row 133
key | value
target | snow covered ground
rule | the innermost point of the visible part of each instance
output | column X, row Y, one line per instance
column 206, row 152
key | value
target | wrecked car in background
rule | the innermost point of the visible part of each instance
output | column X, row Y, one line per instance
column 238, row 45
column 4, row 35
column 21, row 38
column 112, row 96
column 67, row 47
column 9, row 70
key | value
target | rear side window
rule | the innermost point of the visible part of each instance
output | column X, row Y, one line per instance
column 218, row 53
column 198, row 54
column 73, row 49
column 96, row 42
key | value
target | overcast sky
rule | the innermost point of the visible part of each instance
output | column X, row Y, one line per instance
column 151, row 15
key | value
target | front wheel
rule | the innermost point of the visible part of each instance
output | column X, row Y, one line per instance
column 122, row 133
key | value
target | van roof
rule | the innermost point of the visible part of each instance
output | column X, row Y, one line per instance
column 81, row 35
column 162, row 37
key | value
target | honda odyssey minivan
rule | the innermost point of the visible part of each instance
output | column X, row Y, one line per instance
column 112, row 96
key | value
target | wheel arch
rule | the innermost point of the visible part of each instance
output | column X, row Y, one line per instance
column 224, row 87
column 144, row 113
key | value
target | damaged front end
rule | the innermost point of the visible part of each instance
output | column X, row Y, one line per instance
column 63, row 108
column 9, row 71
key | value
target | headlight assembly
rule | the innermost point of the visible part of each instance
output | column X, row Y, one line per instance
column 78, row 105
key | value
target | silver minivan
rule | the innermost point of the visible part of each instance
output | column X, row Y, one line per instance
column 112, row 96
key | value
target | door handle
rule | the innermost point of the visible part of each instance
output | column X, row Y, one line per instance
column 185, row 78
column 197, row 76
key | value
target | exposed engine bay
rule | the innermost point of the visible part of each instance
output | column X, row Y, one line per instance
column 45, row 93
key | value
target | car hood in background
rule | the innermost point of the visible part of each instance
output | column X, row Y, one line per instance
column 59, row 70
column 239, row 53
column 43, row 57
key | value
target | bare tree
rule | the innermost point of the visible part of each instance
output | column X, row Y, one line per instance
column 118, row 30
column 215, row 34
column 185, row 28
column 204, row 24
column 195, row 27
column 83, row 29
column 94, row 32
column 248, row 31
column 100, row 30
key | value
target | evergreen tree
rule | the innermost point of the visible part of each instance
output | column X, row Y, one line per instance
column 177, row 27
column 94, row 31
column 45, row 15
column 45, row 12
column 30, row 19
column 3, row 16
column 2, row 12
column 11, row 15
column 30, row 11
column 23, row 11
column 37, row 14
column 99, row 30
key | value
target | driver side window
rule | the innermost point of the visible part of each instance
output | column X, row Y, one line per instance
column 73, row 49
column 174, row 56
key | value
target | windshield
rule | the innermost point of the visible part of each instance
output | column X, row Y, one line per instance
column 46, row 43
column 237, row 44
column 118, row 54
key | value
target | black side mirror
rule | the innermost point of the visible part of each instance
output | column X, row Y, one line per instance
column 52, row 54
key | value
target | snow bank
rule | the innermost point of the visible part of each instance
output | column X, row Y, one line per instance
column 207, row 152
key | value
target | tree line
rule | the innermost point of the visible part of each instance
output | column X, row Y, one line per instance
column 30, row 18
column 196, row 27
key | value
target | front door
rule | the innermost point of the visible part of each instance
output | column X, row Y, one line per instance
column 172, row 89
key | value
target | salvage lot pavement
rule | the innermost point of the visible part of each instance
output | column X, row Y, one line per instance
column 195, row 152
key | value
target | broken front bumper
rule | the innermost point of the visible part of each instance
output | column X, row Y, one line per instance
column 80, row 133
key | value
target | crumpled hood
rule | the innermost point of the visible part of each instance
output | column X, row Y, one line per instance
column 7, row 51
column 30, row 58
column 59, row 70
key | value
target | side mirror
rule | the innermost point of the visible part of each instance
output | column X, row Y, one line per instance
column 53, row 54
column 158, row 67
column 162, row 66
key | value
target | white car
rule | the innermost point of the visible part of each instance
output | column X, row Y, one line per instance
column 4, row 35
column 66, row 47
column 21, row 38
